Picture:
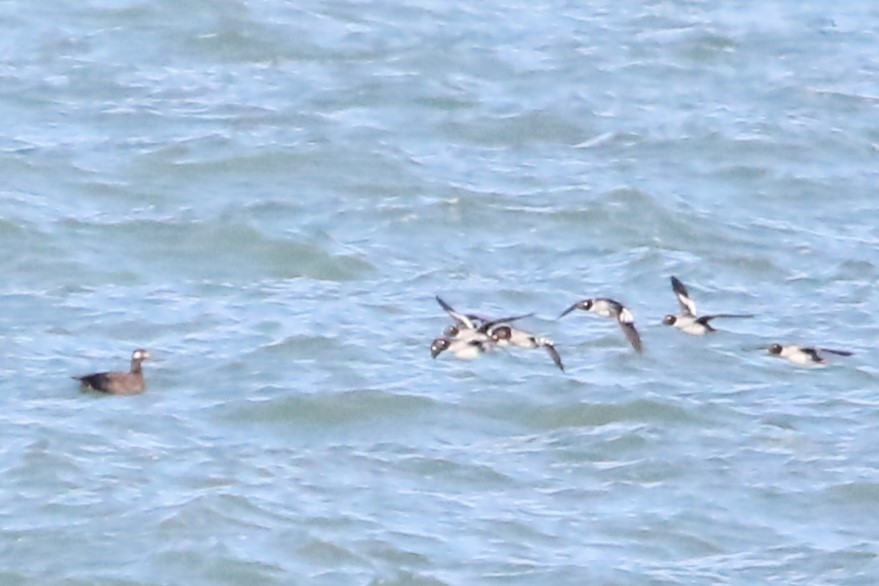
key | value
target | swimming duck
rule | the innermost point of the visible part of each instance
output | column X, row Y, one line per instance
column 118, row 383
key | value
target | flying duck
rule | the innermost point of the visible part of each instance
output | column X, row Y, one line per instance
column 688, row 321
column 610, row 308
column 464, row 347
column 801, row 355
column 504, row 335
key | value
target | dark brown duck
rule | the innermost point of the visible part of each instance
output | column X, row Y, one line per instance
column 118, row 383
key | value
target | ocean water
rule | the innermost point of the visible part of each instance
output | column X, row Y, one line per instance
column 267, row 195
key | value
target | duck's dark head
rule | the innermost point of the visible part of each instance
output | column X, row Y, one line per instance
column 439, row 346
column 585, row 305
column 669, row 320
column 501, row 333
column 775, row 349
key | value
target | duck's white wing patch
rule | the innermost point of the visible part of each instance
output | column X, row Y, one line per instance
column 688, row 306
column 460, row 318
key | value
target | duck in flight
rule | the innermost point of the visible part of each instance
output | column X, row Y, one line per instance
column 504, row 335
column 802, row 355
column 470, row 321
column 463, row 348
column 606, row 307
column 688, row 321
column 473, row 335
column 468, row 337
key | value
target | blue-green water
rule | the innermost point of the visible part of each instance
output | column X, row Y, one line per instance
column 267, row 196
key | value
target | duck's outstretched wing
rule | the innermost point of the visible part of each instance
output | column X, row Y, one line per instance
column 688, row 306
column 837, row 352
column 554, row 354
column 632, row 335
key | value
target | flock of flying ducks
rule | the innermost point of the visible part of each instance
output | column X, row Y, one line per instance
column 471, row 335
